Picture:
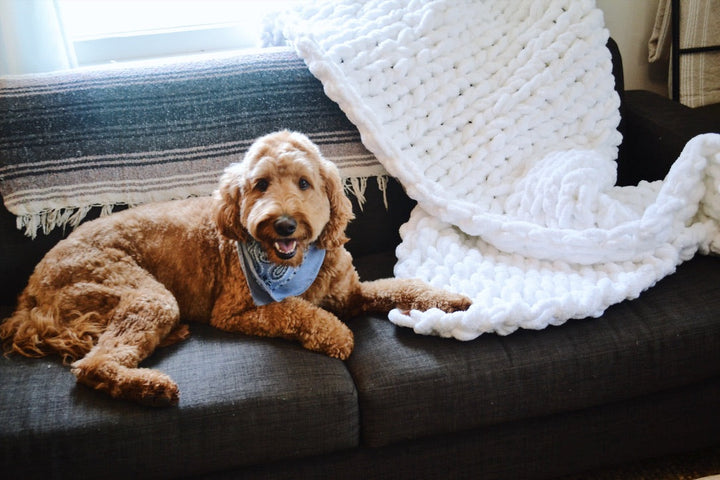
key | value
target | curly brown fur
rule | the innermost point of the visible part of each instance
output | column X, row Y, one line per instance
column 115, row 289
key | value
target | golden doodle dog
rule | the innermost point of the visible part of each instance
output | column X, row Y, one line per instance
column 263, row 256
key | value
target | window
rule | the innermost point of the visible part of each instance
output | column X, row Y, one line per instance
column 119, row 30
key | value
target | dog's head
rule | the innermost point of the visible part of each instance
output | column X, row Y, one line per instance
column 285, row 195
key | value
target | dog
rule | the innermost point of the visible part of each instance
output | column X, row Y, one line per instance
column 264, row 255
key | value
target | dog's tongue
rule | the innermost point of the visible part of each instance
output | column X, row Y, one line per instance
column 286, row 246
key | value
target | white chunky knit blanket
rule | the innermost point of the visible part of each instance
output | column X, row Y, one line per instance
column 500, row 118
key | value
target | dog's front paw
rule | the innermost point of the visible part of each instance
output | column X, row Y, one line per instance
column 454, row 302
column 335, row 339
column 419, row 295
column 342, row 346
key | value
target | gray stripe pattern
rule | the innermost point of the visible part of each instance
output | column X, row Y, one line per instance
column 146, row 132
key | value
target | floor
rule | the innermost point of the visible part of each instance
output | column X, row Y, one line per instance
column 701, row 465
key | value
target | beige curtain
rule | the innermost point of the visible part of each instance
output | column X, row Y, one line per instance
column 699, row 27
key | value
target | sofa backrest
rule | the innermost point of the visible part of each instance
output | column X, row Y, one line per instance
column 149, row 131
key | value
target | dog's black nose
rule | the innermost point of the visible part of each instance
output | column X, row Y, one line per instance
column 285, row 226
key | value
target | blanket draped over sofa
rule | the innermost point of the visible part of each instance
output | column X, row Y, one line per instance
column 153, row 131
column 500, row 119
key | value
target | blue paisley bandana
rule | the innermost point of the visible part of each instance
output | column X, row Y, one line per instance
column 270, row 282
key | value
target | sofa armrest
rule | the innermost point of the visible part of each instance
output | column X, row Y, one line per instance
column 655, row 130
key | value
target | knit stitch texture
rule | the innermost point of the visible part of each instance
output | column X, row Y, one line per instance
column 500, row 119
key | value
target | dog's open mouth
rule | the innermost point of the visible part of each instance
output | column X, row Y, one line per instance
column 286, row 248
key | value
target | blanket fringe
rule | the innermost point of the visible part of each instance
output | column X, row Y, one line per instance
column 356, row 186
column 72, row 217
column 47, row 220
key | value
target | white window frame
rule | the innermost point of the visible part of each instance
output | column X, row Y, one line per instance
column 118, row 48
column 237, row 33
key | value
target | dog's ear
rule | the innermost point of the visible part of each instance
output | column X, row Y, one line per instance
column 226, row 203
column 333, row 235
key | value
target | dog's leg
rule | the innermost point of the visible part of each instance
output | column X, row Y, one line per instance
column 293, row 318
column 408, row 294
column 142, row 319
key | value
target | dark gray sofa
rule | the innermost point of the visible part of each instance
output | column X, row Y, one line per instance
column 641, row 381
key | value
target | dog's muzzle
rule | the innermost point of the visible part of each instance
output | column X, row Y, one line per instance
column 285, row 226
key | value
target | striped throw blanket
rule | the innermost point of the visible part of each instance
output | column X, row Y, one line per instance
column 149, row 131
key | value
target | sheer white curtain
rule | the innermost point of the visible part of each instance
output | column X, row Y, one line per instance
column 32, row 38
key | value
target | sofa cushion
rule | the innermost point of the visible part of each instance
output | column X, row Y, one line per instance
column 242, row 400
column 411, row 386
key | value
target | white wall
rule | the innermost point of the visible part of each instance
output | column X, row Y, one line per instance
column 630, row 23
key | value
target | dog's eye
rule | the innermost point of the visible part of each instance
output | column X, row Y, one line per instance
column 303, row 184
column 262, row 185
